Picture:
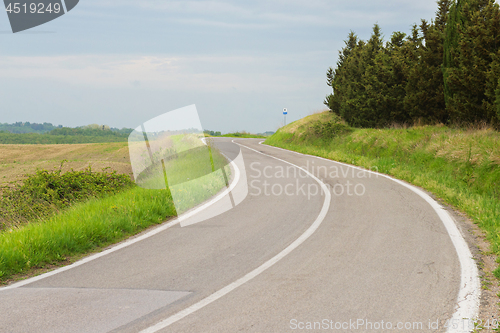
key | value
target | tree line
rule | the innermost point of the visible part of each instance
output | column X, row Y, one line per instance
column 212, row 133
column 46, row 133
column 27, row 127
column 35, row 138
column 47, row 128
column 444, row 71
column 92, row 131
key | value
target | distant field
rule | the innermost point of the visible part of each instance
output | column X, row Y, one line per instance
column 19, row 160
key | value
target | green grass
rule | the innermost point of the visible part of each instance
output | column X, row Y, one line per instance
column 193, row 171
column 82, row 228
column 88, row 226
column 462, row 167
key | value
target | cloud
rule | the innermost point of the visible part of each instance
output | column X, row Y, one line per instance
column 241, row 61
column 260, row 14
column 222, row 24
column 207, row 74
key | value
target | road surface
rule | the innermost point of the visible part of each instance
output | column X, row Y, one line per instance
column 289, row 258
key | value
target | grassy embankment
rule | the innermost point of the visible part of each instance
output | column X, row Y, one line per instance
column 462, row 167
column 83, row 226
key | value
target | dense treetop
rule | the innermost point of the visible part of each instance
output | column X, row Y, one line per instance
column 443, row 71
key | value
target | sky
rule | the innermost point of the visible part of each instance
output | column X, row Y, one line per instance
column 123, row 62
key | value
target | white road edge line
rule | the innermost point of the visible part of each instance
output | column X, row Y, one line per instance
column 468, row 299
column 249, row 276
column 129, row 242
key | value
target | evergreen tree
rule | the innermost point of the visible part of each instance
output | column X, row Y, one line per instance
column 424, row 100
column 336, row 78
column 445, row 71
column 392, row 81
column 450, row 45
column 397, row 66
column 491, row 103
column 364, row 102
column 442, row 15
column 468, row 60
column 352, row 90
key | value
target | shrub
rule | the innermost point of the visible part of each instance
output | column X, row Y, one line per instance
column 47, row 192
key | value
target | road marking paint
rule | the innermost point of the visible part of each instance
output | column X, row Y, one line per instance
column 129, row 242
column 227, row 289
column 470, row 286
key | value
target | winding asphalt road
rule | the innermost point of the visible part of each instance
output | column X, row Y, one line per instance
column 368, row 254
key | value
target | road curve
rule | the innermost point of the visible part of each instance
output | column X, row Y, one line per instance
column 379, row 255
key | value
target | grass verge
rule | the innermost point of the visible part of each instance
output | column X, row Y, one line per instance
column 462, row 167
column 82, row 228
column 93, row 224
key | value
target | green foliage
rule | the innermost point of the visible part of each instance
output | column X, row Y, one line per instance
column 338, row 77
column 122, row 131
column 33, row 138
column 91, row 131
column 27, row 127
column 492, row 91
column 84, row 227
column 242, row 135
column 46, row 133
column 445, row 71
column 450, row 45
column 47, row 192
column 473, row 38
column 369, row 81
column 424, row 97
column 497, row 100
column 330, row 129
column 212, row 133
